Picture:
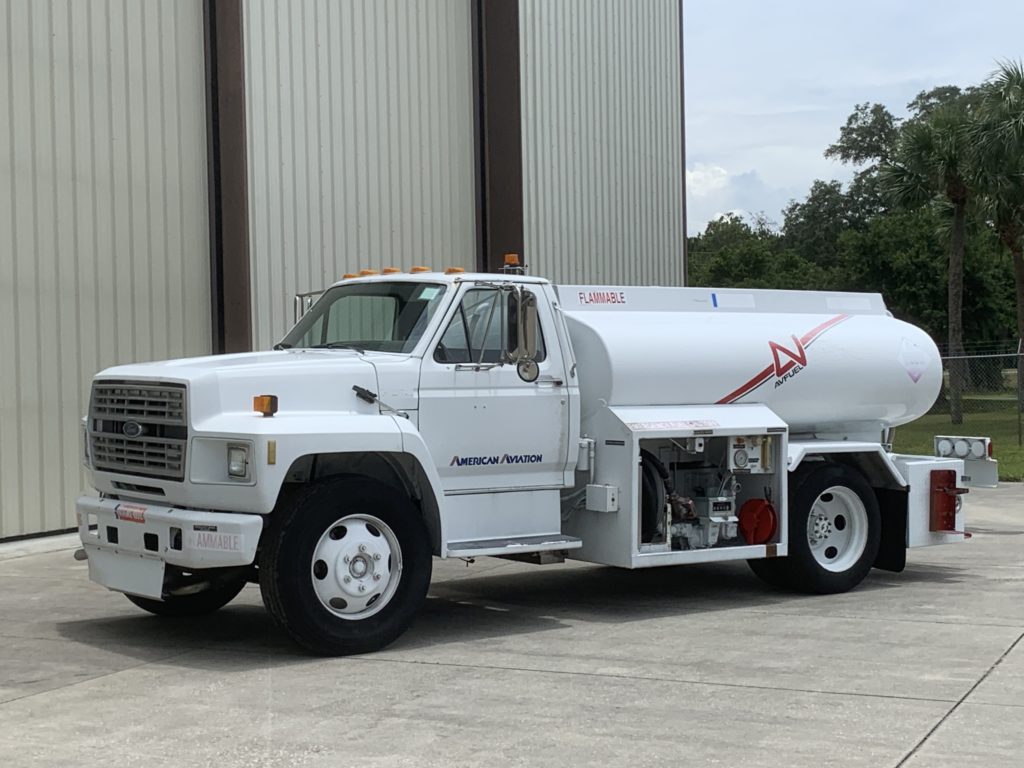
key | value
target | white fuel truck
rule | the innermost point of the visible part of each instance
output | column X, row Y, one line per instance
column 411, row 416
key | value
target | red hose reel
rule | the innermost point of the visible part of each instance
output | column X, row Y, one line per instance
column 758, row 521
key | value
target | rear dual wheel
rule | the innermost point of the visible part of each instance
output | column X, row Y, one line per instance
column 834, row 532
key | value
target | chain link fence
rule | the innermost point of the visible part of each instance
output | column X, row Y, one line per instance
column 982, row 395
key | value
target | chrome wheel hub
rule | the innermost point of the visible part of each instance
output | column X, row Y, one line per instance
column 357, row 564
column 819, row 529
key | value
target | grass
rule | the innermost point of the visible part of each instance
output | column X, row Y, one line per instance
column 1000, row 425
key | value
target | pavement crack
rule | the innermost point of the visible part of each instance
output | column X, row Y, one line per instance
column 960, row 701
column 883, row 619
column 647, row 678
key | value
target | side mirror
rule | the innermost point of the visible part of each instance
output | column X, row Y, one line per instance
column 526, row 319
column 526, row 333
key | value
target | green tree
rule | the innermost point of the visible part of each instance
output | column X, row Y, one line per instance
column 999, row 138
column 869, row 136
column 812, row 227
column 735, row 253
column 934, row 161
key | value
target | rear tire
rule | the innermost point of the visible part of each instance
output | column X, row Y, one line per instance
column 201, row 603
column 834, row 533
column 345, row 568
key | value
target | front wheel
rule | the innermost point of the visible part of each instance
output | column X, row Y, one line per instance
column 834, row 532
column 346, row 568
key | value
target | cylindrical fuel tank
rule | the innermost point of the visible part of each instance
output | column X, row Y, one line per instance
column 820, row 370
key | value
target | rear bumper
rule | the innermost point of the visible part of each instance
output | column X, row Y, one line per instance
column 131, row 543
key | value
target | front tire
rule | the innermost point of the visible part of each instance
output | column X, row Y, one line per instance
column 834, row 533
column 346, row 567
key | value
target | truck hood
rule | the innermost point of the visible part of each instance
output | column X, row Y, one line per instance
column 304, row 380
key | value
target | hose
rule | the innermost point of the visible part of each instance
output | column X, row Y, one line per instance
column 655, row 462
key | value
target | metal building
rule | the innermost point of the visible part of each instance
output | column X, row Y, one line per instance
column 173, row 172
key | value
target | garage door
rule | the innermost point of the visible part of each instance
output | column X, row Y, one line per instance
column 104, row 254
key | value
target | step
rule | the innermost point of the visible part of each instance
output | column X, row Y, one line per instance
column 513, row 545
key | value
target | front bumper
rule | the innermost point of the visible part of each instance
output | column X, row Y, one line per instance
column 129, row 544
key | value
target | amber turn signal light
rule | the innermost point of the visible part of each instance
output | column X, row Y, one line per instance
column 265, row 404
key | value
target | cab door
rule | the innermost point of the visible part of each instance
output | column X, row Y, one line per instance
column 488, row 429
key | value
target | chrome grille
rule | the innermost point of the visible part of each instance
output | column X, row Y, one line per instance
column 144, row 456
column 145, row 403
column 139, row 428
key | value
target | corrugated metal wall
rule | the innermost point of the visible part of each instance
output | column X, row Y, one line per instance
column 602, row 140
column 360, row 131
column 104, row 254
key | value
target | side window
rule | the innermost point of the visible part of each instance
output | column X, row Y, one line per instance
column 475, row 333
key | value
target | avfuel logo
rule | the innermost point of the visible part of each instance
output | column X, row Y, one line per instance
column 505, row 458
column 788, row 359
column 791, row 367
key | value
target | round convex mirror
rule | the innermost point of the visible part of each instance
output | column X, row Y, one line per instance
column 528, row 370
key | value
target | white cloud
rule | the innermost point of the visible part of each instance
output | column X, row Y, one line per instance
column 768, row 85
column 712, row 191
column 705, row 180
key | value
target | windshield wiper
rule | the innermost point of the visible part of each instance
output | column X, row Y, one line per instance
column 282, row 345
column 339, row 345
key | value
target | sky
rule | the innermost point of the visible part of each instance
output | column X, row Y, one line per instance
column 769, row 83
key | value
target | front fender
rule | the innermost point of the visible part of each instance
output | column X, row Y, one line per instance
column 292, row 435
column 414, row 446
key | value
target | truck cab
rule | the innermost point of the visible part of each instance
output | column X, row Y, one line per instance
column 412, row 416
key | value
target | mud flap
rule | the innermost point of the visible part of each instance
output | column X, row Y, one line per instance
column 892, row 551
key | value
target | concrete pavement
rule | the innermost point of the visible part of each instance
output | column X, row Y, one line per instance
column 513, row 664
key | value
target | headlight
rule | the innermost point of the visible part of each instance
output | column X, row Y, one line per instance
column 238, row 461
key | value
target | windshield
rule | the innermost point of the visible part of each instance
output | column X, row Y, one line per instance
column 379, row 316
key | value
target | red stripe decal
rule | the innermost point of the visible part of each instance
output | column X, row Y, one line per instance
column 811, row 335
column 766, row 374
column 754, row 383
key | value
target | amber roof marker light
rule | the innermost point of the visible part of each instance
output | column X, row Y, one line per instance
column 512, row 265
column 265, row 404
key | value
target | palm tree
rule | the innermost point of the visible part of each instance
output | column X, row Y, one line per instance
column 999, row 140
column 933, row 163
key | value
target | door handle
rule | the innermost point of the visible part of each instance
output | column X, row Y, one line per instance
column 549, row 381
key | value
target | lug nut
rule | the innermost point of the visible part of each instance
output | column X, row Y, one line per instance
column 345, row 559
column 377, row 556
column 362, row 547
column 362, row 587
column 348, row 579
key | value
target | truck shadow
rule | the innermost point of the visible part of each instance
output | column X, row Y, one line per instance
column 471, row 608
column 611, row 595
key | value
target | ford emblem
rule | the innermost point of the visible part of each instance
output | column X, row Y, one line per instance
column 131, row 429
